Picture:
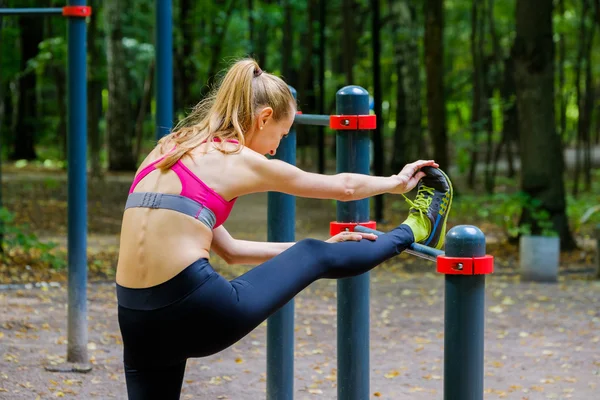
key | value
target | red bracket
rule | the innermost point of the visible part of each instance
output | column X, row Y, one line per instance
column 352, row 122
column 77, row 11
column 337, row 227
column 465, row 265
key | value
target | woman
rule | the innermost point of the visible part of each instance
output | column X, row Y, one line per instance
column 172, row 304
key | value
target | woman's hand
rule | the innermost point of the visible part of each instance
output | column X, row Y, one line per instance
column 351, row 236
column 410, row 175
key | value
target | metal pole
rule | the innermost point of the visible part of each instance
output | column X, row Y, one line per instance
column 77, row 188
column 312, row 119
column 32, row 11
column 416, row 249
column 164, row 67
column 353, row 293
column 464, row 319
column 280, row 326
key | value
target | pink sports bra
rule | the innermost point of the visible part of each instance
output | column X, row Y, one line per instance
column 196, row 199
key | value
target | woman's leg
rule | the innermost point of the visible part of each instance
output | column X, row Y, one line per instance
column 231, row 309
column 155, row 383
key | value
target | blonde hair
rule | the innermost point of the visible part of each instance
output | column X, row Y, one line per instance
column 227, row 113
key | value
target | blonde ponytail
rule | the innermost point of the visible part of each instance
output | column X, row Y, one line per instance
column 227, row 113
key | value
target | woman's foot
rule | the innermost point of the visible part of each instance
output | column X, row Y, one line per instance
column 429, row 211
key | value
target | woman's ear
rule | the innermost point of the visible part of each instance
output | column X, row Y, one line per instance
column 264, row 116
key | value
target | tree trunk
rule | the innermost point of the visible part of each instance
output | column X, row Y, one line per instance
column 534, row 75
column 434, row 67
column 261, row 45
column 411, row 80
column 185, row 65
column 478, row 92
column 488, row 93
column 378, row 154
column 348, row 40
column 26, row 123
column 306, row 87
column 408, row 134
column 120, row 115
column 143, row 110
column 60, row 82
column 217, row 33
column 250, row 27
column 494, row 82
column 287, row 42
column 510, row 116
column 401, row 140
column 562, row 105
column 584, row 94
column 94, row 94
column 588, row 109
column 322, row 110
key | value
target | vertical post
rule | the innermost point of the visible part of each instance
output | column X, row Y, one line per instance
column 164, row 67
column 464, row 319
column 77, row 334
column 353, row 293
column 280, row 326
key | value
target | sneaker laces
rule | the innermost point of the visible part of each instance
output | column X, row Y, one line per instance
column 422, row 201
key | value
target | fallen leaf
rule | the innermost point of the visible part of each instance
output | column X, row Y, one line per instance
column 392, row 374
column 496, row 309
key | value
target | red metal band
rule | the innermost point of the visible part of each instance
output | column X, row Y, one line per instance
column 77, row 11
column 337, row 227
column 352, row 122
column 465, row 265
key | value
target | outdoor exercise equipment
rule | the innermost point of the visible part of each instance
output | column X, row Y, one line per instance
column 464, row 265
column 75, row 12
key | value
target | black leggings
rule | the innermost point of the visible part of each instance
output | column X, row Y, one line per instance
column 198, row 313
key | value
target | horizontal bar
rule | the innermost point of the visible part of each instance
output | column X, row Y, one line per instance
column 30, row 11
column 416, row 249
column 312, row 119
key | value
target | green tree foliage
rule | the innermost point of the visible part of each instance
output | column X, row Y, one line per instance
column 285, row 37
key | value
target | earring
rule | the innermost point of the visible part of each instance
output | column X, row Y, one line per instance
column 261, row 128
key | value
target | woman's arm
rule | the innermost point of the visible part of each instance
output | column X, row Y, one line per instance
column 235, row 251
column 265, row 175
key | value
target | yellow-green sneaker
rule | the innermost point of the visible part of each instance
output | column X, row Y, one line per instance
column 429, row 211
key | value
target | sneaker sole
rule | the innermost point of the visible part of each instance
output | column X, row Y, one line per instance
column 440, row 244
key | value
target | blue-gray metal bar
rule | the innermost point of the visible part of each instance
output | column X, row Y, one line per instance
column 164, row 67
column 416, row 249
column 464, row 319
column 77, row 188
column 312, row 119
column 280, row 326
column 353, row 293
column 30, row 11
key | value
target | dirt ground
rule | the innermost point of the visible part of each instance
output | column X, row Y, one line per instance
column 542, row 340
